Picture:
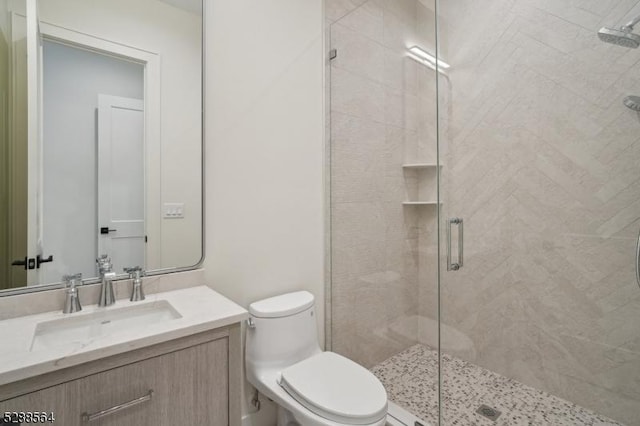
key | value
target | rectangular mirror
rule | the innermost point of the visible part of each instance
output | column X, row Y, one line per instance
column 100, row 137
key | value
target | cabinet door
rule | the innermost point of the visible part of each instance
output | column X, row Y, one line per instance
column 190, row 387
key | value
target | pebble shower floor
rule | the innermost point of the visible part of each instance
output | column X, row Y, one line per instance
column 410, row 379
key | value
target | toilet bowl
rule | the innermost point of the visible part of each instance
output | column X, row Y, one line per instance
column 311, row 387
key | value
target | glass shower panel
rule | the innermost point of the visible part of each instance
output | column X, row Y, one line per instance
column 383, row 194
column 541, row 160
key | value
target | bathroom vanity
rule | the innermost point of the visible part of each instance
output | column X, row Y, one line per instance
column 117, row 88
column 180, row 365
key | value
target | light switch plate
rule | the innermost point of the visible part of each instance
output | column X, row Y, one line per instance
column 173, row 210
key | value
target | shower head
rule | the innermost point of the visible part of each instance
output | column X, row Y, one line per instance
column 632, row 102
column 620, row 37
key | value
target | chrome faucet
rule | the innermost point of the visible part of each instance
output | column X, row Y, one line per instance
column 72, row 298
column 136, row 273
column 105, row 266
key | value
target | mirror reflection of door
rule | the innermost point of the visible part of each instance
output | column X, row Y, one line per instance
column 93, row 159
column 20, row 146
column 16, row 150
column 5, row 67
column 121, row 193
column 34, row 141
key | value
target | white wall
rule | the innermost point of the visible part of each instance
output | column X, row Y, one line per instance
column 264, row 149
column 72, row 81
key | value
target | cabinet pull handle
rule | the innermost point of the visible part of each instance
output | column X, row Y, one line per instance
column 87, row 418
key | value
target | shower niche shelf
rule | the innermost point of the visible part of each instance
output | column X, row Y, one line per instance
column 417, row 166
column 423, row 191
column 420, row 203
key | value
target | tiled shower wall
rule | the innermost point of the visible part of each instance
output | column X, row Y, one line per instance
column 542, row 161
column 378, row 96
column 539, row 157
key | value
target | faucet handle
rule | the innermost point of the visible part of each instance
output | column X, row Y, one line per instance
column 135, row 271
column 71, row 281
column 72, row 300
column 104, row 263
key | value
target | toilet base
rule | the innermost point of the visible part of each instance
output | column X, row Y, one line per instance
column 285, row 418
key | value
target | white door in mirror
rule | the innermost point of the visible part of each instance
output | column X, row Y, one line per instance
column 121, row 186
column 34, row 142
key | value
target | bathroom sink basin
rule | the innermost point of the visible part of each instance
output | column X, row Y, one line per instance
column 80, row 329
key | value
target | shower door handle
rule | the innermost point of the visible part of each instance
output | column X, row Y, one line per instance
column 450, row 265
column 638, row 259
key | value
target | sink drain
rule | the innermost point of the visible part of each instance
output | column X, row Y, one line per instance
column 488, row 412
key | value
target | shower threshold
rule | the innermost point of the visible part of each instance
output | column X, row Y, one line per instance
column 398, row 416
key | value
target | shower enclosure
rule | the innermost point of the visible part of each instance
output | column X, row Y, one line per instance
column 485, row 206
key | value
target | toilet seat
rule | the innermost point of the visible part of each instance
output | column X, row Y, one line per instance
column 336, row 388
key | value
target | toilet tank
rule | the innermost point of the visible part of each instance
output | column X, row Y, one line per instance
column 283, row 331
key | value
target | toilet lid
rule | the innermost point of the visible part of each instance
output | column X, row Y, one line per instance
column 336, row 388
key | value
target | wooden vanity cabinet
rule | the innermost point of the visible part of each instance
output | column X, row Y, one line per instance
column 182, row 382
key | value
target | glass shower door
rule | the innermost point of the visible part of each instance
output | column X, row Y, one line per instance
column 540, row 147
column 383, row 196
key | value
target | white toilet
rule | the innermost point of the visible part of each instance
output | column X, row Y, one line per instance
column 311, row 387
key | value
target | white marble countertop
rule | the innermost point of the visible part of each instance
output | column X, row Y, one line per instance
column 201, row 309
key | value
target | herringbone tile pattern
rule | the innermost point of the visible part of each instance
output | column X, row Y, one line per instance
column 540, row 159
column 544, row 166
